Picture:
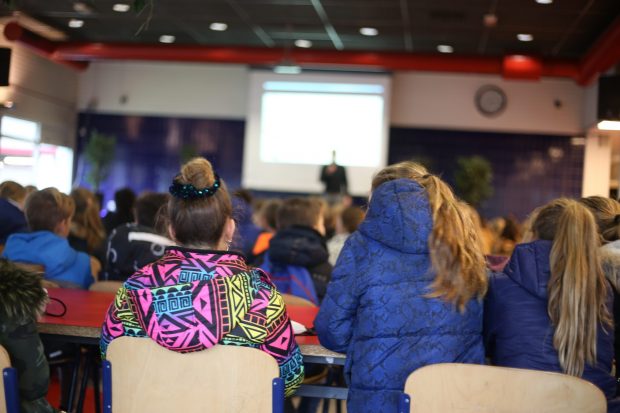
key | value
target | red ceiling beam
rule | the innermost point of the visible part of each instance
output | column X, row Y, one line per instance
column 313, row 58
column 40, row 45
column 602, row 56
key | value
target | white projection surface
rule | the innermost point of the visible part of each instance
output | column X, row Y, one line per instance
column 295, row 122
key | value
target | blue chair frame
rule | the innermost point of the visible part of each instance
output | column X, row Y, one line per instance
column 277, row 396
column 11, row 389
column 404, row 403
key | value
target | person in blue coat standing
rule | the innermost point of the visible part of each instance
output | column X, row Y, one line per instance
column 406, row 290
column 550, row 308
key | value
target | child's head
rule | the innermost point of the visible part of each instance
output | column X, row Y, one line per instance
column 49, row 210
column 577, row 288
column 349, row 219
column 13, row 191
column 607, row 214
column 454, row 244
column 147, row 208
column 200, row 210
column 306, row 212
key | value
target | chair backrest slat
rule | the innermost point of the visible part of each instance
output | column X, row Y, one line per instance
column 149, row 378
column 439, row 388
column 5, row 362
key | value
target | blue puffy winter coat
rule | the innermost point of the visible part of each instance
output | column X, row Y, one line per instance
column 517, row 328
column 376, row 309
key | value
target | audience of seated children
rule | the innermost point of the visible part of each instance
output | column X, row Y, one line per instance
column 297, row 258
column 551, row 307
column 87, row 233
column 247, row 230
column 347, row 221
column 406, row 291
column 12, row 218
column 22, row 300
column 200, row 222
column 49, row 214
column 134, row 245
column 124, row 200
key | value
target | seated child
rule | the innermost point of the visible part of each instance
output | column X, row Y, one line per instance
column 49, row 213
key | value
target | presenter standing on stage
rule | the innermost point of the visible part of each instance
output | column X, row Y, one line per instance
column 334, row 177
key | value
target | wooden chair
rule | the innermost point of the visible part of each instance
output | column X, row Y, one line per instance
column 106, row 286
column 141, row 376
column 470, row 388
column 9, row 391
column 290, row 299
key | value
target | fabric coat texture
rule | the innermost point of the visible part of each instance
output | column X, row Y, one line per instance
column 376, row 309
column 63, row 264
column 304, row 247
column 517, row 328
column 190, row 300
column 12, row 220
column 21, row 299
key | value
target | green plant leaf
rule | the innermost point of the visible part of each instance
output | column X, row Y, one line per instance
column 473, row 179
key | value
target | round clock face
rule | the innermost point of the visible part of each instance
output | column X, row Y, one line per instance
column 490, row 100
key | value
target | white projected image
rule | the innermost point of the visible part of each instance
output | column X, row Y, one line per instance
column 304, row 128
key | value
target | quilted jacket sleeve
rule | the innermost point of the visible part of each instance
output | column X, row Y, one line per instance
column 336, row 318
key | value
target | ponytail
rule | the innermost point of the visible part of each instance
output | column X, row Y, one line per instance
column 454, row 244
column 577, row 288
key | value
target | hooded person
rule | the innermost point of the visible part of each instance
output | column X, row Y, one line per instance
column 199, row 294
column 22, row 300
column 406, row 290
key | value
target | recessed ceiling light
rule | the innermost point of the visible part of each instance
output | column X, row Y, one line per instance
column 525, row 37
column 166, row 38
column 287, row 69
column 444, row 48
column 609, row 125
column 369, row 31
column 303, row 43
column 544, row 1
column 121, row 7
column 218, row 27
column 76, row 23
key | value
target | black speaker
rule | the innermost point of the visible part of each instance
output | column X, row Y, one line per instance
column 609, row 98
column 5, row 65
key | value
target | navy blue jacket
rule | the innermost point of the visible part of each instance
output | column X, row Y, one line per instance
column 517, row 328
column 376, row 309
column 12, row 220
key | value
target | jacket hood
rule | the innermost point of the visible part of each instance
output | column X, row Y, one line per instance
column 191, row 300
column 22, row 297
column 51, row 249
column 301, row 246
column 399, row 216
column 529, row 267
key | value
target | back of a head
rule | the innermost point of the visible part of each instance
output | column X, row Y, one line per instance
column 454, row 245
column 12, row 190
column 269, row 213
column 577, row 288
column 147, row 207
column 352, row 217
column 304, row 212
column 47, row 208
column 607, row 214
column 124, row 199
column 200, row 205
column 89, row 224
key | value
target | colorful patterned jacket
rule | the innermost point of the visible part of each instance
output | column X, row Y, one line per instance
column 190, row 300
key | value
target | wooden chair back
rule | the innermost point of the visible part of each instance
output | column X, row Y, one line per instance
column 106, row 286
column 290, row 299
column 9, row 394
column 149, row 378
column 470, row 388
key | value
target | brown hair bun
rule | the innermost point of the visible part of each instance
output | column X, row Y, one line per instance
column 198, row 172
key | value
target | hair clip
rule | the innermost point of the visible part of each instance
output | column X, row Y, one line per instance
column 189, row 191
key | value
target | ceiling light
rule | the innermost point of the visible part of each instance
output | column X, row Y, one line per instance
column 287, row 69
column 166, row 38
column 121, row 7
column 525, row 37
column 81, row 7
column 18, row 160
column 544, row 1
column 76, row 23
column 444, row 48
column 609, row 125
column 218, row 27
column 369, row 31
column 303, row 43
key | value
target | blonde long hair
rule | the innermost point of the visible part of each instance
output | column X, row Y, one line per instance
column 454, row 244
column 577, row 287
column 87, row 223
column 607, row 215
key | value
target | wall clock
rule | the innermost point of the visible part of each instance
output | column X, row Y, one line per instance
column 490, row 100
